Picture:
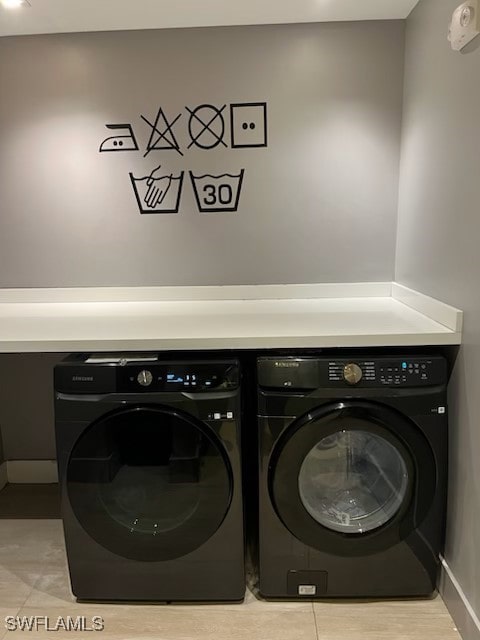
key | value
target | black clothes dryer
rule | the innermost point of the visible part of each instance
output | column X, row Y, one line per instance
column 352, row 475
column 150, row 472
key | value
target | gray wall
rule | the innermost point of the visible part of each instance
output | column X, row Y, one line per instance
column 26, row 406
column 325, row 187
column 438, row 243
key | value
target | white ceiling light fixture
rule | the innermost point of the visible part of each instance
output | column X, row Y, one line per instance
column 15, row 4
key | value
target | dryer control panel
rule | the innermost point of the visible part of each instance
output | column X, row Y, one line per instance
column 132, row 376
column 314, row 373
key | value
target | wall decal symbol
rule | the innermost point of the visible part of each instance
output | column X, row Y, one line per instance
column 158, row 193
column 206, row 126
column 217, row 193
column 248, row 125
column 163, row 139
column 125, row 142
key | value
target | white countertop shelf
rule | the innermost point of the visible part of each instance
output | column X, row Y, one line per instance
column 256, row 317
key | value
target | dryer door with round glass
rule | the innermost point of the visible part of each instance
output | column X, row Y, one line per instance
column 344, row 476
column 149, row 483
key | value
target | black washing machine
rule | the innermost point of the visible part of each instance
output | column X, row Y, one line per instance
column 352, row 475
column 150, row 473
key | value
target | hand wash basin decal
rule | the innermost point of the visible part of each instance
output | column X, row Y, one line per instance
column 157, row 193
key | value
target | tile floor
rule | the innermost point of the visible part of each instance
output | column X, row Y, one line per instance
column 34, row 582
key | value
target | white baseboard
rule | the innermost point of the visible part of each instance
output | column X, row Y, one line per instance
column 3, row 475
column 462, row 612
column 32, row 471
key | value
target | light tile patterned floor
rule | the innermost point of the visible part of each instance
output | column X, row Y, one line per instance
column 34, row 582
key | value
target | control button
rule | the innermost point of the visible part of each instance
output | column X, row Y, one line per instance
column 352, row 373
column 217, row 416
column 229, row 415
column 145, row 378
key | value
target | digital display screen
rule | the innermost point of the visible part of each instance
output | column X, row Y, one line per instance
column 186, row 379
column 172, row 377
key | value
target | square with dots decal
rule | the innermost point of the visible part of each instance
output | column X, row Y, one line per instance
column 248, row 122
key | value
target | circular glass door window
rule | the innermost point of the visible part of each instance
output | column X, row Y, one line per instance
column 149, row 483
column 353, row 481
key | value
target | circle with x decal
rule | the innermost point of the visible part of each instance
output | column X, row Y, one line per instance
column 206, row 126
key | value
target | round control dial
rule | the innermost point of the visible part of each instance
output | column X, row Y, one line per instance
column 352, row 373
column 145, row 378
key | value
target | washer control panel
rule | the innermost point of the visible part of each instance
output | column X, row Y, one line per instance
column 396, row 372
column 291, row 373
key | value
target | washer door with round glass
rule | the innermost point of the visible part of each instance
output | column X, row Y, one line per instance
column 344, row 477
column 149, row 483
column 353, row 481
